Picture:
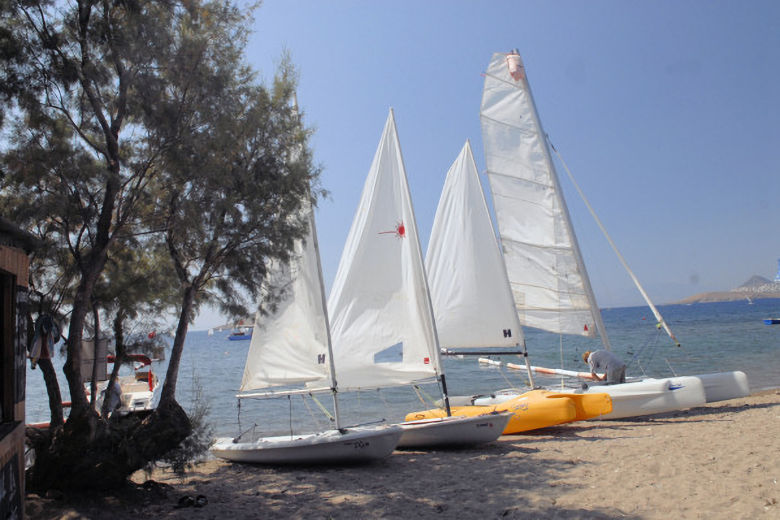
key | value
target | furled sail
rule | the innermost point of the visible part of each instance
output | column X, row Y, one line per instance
column 381, row 318
column 470, row 292
column 548, row 279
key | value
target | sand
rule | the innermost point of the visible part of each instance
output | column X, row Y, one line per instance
column 717, row 461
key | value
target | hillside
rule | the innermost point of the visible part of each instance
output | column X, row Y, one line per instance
column 757, row 287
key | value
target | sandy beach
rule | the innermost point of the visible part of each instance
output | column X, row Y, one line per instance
column 717, row 461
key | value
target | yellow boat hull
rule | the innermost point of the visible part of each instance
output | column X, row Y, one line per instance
column 534, row 409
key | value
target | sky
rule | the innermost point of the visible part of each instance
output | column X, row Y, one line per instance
column 666, row 112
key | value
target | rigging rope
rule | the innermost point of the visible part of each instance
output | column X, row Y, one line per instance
column 419, row 395
column 657, row 314
column 289, row 399
column 420, row 391
column 314, row 417
column 506, row 379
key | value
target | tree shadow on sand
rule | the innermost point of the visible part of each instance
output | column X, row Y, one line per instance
column 491, row 481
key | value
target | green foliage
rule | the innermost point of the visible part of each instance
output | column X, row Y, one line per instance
column 194, row 448
column 142, row 149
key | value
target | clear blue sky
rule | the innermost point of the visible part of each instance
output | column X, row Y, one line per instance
column 667, row 112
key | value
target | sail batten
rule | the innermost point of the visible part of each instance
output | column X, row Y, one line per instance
column 544, row 265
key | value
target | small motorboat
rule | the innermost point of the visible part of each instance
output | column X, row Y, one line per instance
column 240, row 334
column 137, row 392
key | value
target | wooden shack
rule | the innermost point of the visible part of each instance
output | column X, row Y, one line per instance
column 15, row 246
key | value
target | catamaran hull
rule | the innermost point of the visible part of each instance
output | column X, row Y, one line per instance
column 452, row 431
column 651, row 396
column 329, row 447
column 645, row 397
column 533, row 410
column 722, row 386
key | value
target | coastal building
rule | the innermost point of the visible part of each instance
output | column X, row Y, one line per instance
column 777, row 276
column 15, row 246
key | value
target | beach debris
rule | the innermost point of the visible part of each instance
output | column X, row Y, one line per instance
column 188, row 501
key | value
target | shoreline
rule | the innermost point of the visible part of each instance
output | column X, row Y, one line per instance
column 721, row 460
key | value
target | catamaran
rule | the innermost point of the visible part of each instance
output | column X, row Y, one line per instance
column 546, row 271
column 473, row 303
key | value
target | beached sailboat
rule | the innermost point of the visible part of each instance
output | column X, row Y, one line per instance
column 549, row 282
column 291, row 351
column 382, row 324
column 473, row 303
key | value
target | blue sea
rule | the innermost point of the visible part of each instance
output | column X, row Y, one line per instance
column 715, row 337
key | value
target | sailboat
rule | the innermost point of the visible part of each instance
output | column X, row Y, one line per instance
column 549, row 282
column 473, row 303
column 291, row 349
column 384, row 333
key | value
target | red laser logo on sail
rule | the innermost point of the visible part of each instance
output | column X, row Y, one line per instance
column 399, row 231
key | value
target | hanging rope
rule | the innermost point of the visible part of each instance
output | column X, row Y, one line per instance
column 421, row 392
column 506, row 379
column 660, row 320
column 238, row 414
column 419, row 395
column 323, row 409
column 382, row 398
column 289, row 400
column 560, row 353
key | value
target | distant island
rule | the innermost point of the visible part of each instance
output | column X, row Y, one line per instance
column 757, row 287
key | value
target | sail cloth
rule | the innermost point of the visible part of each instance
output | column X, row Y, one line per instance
column 470, row 292
column 549, row 283
column 290, row 346
column 381, row 320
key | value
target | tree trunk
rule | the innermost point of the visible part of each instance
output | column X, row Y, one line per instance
column 168, row 393
column 119, row 358
column 95, row 360
column 119, row 448
column 53, row 391
column 49, row 376
column 72, row 367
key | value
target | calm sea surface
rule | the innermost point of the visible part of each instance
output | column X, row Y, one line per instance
column 715, row 337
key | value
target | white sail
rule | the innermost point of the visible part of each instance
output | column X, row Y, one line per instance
column 290, row 346
column 381, row 319
column 470, row 293
column 544, row 265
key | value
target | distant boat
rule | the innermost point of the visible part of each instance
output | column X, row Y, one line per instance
column 772, row 321
column 240, row 334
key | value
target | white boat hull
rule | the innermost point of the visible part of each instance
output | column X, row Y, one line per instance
column 722, row 386
column 634, row 399
column 329, row 447
column 651, row 396
column 452, row 431
column 135, row 396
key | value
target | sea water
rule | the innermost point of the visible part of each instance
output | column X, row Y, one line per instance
column 714, row 337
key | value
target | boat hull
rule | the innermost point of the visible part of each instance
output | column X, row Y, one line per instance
column 329, row 447
column 722, row 386
column 652, row 396
column 452, row 431
column 645, row 397
column 533, row 410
